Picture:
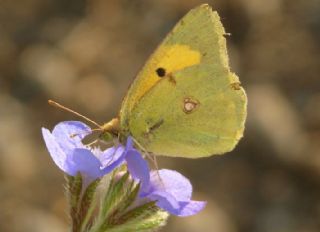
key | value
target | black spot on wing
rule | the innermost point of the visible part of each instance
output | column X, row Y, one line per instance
column 161, row 72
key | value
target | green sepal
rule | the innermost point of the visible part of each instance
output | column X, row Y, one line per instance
column 130, row 196
column 87, row 205
column 114, row 195
column 138, row 212
column 73, row 192
column 117, row 215
column 110, row 201
column 142, row 218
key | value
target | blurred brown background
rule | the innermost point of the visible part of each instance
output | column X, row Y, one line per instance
column 84, row 54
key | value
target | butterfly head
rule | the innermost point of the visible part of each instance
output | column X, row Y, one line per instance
column 110, row 130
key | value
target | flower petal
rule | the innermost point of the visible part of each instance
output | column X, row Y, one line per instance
column 57, row 154
column 129, row 144
column 172, row 191
column 138, row 168
column 190, row 208
column 165, row 201
column 172, row 182
column 111, row 158
column 69, row 134
column 83, row 161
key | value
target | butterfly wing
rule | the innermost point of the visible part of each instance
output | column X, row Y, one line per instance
column 185, row 101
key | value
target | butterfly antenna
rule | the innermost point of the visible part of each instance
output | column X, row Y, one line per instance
column 56, row 104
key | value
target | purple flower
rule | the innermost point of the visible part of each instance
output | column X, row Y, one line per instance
column 171, row 190
column 72, row 156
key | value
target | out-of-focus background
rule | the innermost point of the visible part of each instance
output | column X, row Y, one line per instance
column 84, row 54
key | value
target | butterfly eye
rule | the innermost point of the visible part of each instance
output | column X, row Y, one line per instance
column 161, row 72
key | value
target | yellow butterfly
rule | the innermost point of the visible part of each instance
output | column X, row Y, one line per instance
column 185, row 101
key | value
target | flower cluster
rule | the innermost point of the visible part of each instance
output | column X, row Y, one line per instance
column 170, row 190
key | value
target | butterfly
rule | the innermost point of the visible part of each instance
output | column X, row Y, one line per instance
column 185, row 102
